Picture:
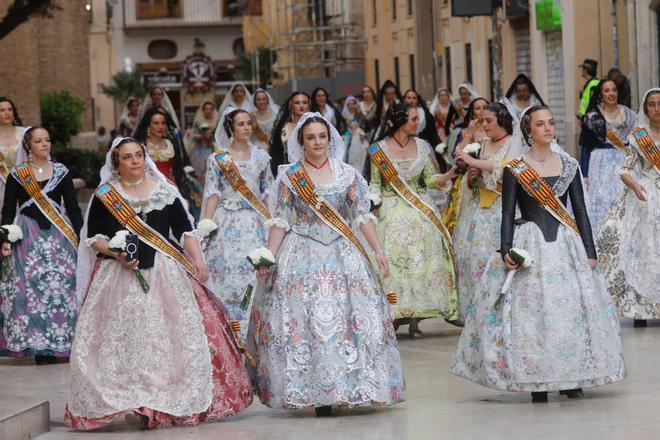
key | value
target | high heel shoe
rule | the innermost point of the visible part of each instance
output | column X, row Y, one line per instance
column 413, row 328
column 539, row 396
column 323, row 411
column 575, row 393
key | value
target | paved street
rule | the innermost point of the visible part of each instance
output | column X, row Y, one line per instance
column 438, row 406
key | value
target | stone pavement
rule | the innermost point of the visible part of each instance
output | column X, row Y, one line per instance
column 438, row 406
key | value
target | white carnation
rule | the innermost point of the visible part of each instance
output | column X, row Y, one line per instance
column 14, row 233
column 188, row 169
column 441, row 148
column 375, row 198
column 472, row 149
column 119, row 240
column 527, row 259
column 206, row 226
column 261, row 256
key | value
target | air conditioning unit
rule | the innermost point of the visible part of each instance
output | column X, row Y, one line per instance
column 471, row 8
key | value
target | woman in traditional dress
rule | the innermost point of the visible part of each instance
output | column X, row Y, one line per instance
column 239, row 216
column 445, row 112
column 601, row 163
column 522, row 94
column 426, row 129
column 38, row 305
column 11, row 135
column 295, row 106
column 205, row 116
column 157, row 131
column 477, row 234
column 555, row 328
column 469, row 131
column 466, row 94
column 128, row 120
column 356, row 138
column 368, row 107
column 415, row 241
column 167, row 354
column 322, row 103
column 389, row 94
column 238, row 96
column 157, row 98
column 266, row 112
column 201, row 150
column 629, row 238
column 321, row 326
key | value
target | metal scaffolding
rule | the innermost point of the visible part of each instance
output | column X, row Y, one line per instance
column 313, row 38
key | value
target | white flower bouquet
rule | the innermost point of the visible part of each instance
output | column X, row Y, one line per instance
column 473, row 149
column 188, row 169
column 206, row 227
column 524, row 260
column 441, row 148
column 375, row 199
column 126, row 242
column 11, row 234
column 261, row 257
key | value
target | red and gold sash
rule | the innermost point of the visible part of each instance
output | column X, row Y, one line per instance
column 4, row 171
column 27, row 180
column 233, row 176
column 543, row 193
column 305, row 189
column 387, row 170
column 647, row 147
column 616, row 142
column 127, row 217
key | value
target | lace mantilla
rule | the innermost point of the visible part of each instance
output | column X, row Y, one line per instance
column 569, row 167
column 161, row 154
column 160, row 197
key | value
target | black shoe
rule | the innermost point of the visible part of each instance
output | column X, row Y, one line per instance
column 639, row 323
column 323, row 411
column 44, row 360
column 539, row 396
column 575, row 393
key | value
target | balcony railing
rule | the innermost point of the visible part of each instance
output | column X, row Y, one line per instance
column 177, row 13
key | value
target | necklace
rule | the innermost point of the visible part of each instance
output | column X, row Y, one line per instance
column 499, row 139
column 542, row 161
column 320, row 166
column 39, row 169
column 133, row 184
column 399, row 143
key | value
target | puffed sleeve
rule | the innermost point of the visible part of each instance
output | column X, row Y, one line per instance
column 71, row 203
column 179, row 222
column 11, row 199
column 214, row 185
column 509, row 195
column 576, row 193
column 281, row 207
column 101, row 223
column 357, row 199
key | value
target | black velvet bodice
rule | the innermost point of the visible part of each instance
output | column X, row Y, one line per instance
column 513, row 194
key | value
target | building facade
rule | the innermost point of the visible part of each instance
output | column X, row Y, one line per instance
column 453, row 50
column 45, row 55
column 158, row 37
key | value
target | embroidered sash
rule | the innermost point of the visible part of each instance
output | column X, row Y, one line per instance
column 304, row 188
column 543, row 193
column 4, row 171
column 26, row 178
column 647, row 147
column 127, row 217
column 387, row 170
column 614, row 140
column 233, row 176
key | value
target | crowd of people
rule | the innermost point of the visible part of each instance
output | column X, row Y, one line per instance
column 276, row 249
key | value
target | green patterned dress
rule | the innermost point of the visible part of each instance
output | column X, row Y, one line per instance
column 421, row 268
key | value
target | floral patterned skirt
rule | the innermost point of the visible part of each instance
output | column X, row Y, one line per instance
column 629, row 250
column 557, row 328
column 168, row 354
column 605, row 186
column 239, row 232
column 421, row 267
column 322, row 330
column 38, row 305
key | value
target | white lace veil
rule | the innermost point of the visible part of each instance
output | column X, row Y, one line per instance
column 274, row 108
column 166, row 104
column 124, row 114
column 336, row 146
column 222, row 140
column 435, row 103
column 228, row 101
column 86, row 254
column 344, row 109
column 22, row 156
column 642, row 119
column 470, row 88
column 518, row 145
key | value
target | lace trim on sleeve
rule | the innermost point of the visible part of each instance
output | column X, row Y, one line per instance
column 277, row 222
column 365, row 218
column 91, row 240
